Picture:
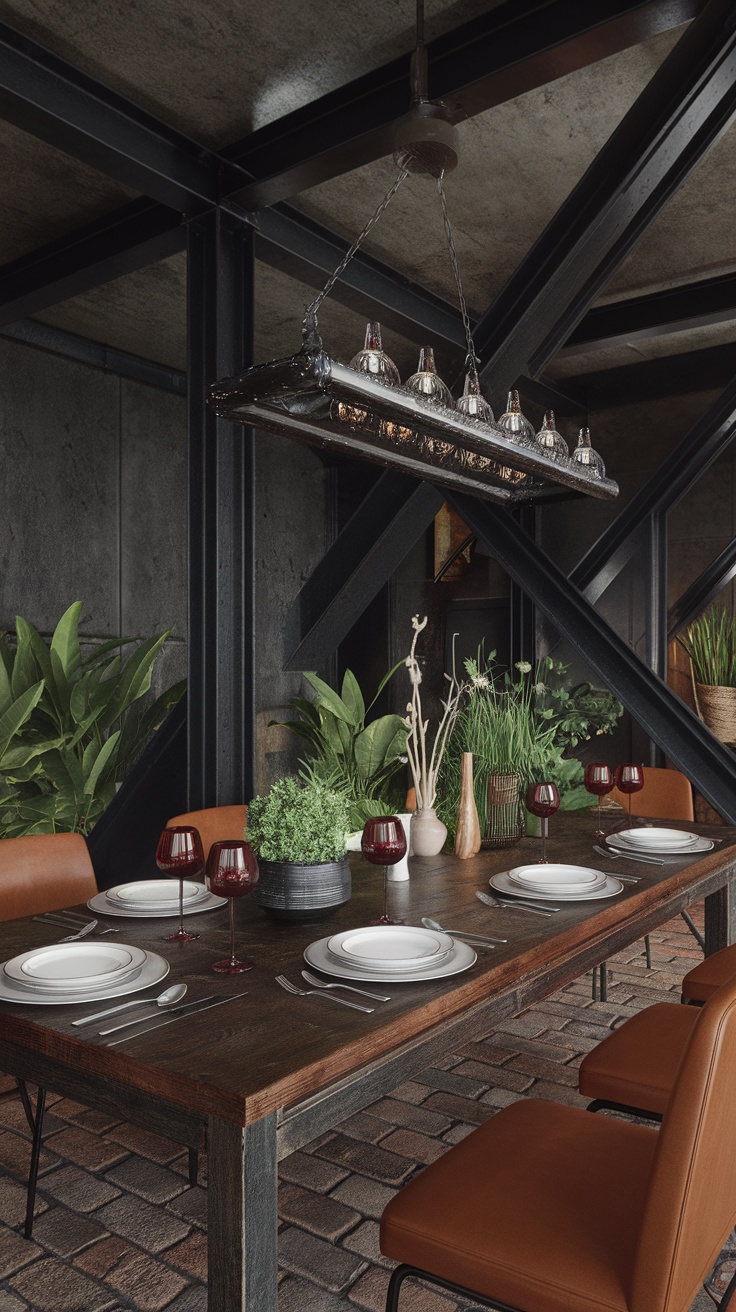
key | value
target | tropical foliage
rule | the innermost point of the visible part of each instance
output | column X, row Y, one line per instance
column 350, row 754
column 710, row 642
column 70, row 728
column 305, row 823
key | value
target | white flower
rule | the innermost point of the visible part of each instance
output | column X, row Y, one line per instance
column 539, row 688
column 404, row 759
column 481, row 681
column 523, row 667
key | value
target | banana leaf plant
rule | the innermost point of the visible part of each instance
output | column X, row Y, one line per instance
column 357, row 759
column 81, row 723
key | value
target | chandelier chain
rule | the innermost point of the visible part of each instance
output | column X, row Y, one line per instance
column 309, row 327
column 472, row 360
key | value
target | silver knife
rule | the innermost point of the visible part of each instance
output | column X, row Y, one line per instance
column 140, row 1020
column 193, row 1010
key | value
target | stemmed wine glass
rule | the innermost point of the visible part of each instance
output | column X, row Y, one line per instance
column 598, row 781
column 543, row 800
column 232, row 871
column 629, row 779
column 181, row 856
column 383, row 844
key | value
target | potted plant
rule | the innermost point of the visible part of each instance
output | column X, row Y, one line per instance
column 710, row 642
column 298, row 832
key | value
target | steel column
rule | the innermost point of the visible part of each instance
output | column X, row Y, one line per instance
column 656, row 636
column 700, row 593
column 221, row 742
column 672, row 725
column 523, row 644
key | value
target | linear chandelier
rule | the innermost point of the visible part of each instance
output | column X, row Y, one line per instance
column 362, row 410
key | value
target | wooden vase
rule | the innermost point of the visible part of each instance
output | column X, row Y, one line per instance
column 467, row 837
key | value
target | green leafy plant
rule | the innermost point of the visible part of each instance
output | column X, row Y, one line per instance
column 80, row 724
column 353, row 756
column 303, row 823
column 710, row 642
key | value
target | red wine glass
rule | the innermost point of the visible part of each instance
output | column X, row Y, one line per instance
column 543, row 800
column 180, row 855
column 232, row 871
column 598, row 781
column 629, row 779
column 383, row 844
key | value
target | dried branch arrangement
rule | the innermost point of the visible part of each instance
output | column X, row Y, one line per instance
column 425, row 755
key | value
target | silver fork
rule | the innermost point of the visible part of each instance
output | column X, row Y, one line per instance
column 489, row 901
column 616, row 856
column 320, row 984
column 82, row 933
column 317, row 993
column 68, row 921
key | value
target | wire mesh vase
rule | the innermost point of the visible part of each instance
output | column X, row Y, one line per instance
column 504, row 813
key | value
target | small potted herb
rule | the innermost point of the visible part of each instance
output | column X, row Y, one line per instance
column 298, row 832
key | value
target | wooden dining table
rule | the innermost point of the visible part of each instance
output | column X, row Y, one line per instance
column 269, row 1072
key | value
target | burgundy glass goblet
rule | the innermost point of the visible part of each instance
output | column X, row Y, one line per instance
column 383, row 844
column 629, row 779
column 232, row 871
column 181, row 856
column 543, row 800
column 599, row 782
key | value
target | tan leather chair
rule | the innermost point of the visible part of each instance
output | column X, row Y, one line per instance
column 214, row 823
column 507, row 1215
column 44, row 872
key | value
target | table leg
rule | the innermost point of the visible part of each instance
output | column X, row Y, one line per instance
column 720, row 918
column 242, row 1214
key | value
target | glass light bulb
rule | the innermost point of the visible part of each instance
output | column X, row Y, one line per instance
column 473, row 403
column 550, row 442
column 373, row 359
column 515, row 425
column 427, row 383
column 586, row 457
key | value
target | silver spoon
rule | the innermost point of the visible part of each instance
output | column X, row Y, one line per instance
column 461, row 933
column 510, row 906
column 174, row 993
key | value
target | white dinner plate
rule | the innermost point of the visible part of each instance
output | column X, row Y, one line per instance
column 101, row 904
column 503, row 884
column 702, row 845
column 127, row 978
column 152, row 971
column 161, row 892
column 462, row 957
column 74, row 965
column 560, row 878
column 401, row 947
column 651, row 836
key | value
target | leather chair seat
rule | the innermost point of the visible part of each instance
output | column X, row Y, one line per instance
column 637, row 1064
column 44, row 872
column 703, row 980
column 215, row 823
column 539, row 1208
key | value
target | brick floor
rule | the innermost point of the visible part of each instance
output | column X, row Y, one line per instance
column 119, row 1229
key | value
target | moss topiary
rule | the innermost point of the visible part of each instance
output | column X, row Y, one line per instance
column 301, row 823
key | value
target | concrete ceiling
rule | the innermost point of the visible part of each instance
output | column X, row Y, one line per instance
column 217, row 71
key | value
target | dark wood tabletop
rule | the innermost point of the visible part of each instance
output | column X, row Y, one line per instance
column 269, row 1050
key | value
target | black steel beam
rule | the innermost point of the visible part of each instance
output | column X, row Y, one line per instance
column 677, row 117
column 638, row 318
column 383, row 528
column 221, row 635
column 495, row 57
column 72, row 347
column 707, row 370
column 706, row 587
column 707, row 439
column 672, row 725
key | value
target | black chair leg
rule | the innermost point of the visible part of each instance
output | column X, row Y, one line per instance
column 594, row 990
column 35, row 1159
column 694, row 930
column 394, row 1285
column 193, row 1166
column 25, row 1099
column 729, row 1294
column 648, row 951
column 604, row 981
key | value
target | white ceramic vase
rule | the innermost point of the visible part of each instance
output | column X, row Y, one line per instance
column 400, row 872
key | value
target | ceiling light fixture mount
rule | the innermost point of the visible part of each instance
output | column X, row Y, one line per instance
column 425, row 140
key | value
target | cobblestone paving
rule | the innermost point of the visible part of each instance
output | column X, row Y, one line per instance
column 118, row 1226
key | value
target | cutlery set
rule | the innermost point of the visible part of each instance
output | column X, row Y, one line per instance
column 81, row 925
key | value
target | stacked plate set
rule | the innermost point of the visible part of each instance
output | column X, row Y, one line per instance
column 555, row 883
column 154, row 897
column 79, row 972
column 658, row 842
column 392, row 954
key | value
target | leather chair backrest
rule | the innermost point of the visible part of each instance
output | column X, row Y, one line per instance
column 214, row 823
column 691, row 1202
column 666, row 795
column 44, row 872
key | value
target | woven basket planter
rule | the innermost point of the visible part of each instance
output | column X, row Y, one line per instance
column 716, row 707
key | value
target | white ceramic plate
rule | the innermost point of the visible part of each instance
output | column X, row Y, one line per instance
column 74, row 965
column 654, row 837
column 701, row 845
column 503, row 884
column 403, row 947
column 127, row 977
column 161, row 892
column 561, row 878
column 152, row 971
column 461, row 958
column 103, row 907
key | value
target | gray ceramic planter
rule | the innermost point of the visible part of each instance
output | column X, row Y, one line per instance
column 302, row 893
